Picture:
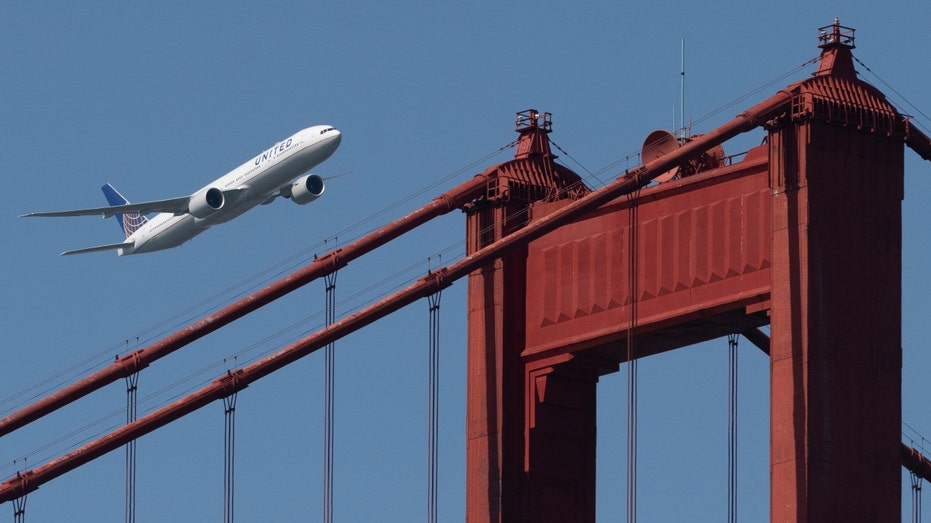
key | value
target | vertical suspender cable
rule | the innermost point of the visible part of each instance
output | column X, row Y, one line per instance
column 229, row 447
column 916, row 497
column 632, row 360
column 732, row 428
column 19, row 510
column 329, row 390
column 433, row 407
column 129, row 513
column 19, row 504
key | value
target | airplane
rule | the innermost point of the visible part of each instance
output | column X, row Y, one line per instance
column 276, row 171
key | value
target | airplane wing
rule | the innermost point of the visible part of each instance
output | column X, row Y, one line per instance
column 108, row 247
column 172, row 205
column 176, row 206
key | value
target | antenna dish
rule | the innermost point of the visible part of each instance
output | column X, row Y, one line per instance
column 659, row 143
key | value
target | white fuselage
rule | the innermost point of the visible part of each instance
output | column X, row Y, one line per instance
column 257, row 181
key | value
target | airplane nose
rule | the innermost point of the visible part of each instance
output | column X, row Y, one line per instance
column 334, row 140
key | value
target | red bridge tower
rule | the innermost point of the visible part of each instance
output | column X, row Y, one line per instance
column 803, row 234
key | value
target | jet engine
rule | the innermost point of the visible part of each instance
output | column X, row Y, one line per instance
column 307, row 189
column 206, row 202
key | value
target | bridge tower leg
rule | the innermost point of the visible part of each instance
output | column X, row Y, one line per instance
column 494, row 411
column 836, row 352
column 509, row 400
column 531, row 431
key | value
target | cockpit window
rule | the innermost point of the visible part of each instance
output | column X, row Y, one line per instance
column 328, row 129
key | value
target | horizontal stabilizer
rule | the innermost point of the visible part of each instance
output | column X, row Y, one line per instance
column 108, row 247
column 172, row 205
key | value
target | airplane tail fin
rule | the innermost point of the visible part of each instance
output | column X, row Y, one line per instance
column 129, row 222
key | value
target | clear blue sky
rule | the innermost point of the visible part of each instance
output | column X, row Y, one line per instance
column 160, row 98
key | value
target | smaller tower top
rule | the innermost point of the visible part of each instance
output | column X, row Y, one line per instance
column 531, row 118
column 533, row 127
column 836, row 42
column 836, row 34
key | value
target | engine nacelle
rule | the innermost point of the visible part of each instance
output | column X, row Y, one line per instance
column 206, row 202
column 307, row 189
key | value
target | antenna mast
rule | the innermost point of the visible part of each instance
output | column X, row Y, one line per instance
column 682, row 129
